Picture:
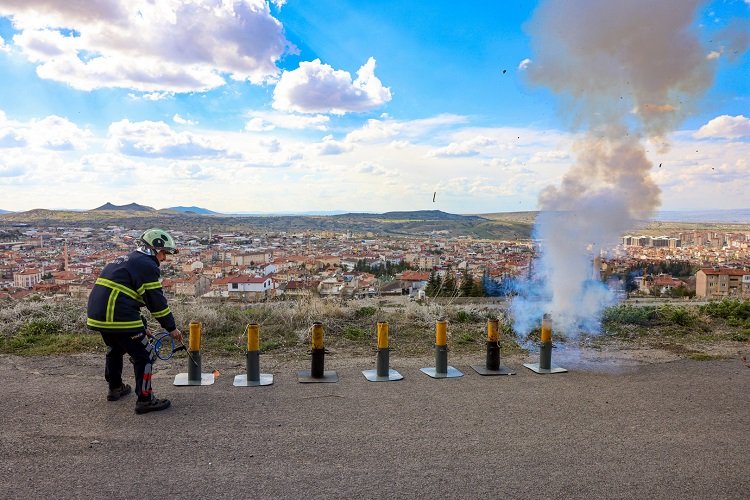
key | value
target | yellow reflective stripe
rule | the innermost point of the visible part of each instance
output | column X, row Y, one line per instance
column 121, row 288
column 162, row 313
column 110, row 316
column 114, row 324
column 152, row 285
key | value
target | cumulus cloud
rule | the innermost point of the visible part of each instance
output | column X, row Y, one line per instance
column 329, row 146
column 182, row 121
column 470, row 147
column 318, row 88
column 370, row 168
column 157, row 140
column 725, row 127
column 374, row 131
column 262, row 122
column 148, row 46
column 52, row 132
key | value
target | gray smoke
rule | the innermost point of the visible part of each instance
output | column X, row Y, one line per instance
column 625, row 71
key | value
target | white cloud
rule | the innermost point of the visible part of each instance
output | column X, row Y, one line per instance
column 149, row 46
column 523, row 65
column 52, row 132
column 725, row 127
column 714, row 54
column 470, row 147
column 374, row 131
column 263, row 121
column 370, row 168
column 329, row 146
column 182, row 121
column 157, row 140
column 318, row 88
column 3, row 46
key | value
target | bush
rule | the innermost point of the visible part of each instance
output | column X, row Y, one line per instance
column 728, row 309
column 353, row 333
column 630, row 315
column 365, row 312
column 465, row 317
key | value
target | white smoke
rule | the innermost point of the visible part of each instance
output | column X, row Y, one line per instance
column 626, row 72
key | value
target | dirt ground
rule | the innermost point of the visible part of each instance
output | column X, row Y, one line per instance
column 625, row 421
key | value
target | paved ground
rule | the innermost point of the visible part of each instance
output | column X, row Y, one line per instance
column 676, row 429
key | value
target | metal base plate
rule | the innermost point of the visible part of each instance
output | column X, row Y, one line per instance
column 182, row 379
column 535, row 368
column 432, row 372
column 242, row 381
column 304, row 377
column 483, row 370
column 372, row 376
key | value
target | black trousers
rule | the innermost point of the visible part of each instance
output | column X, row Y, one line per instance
column 142, row 356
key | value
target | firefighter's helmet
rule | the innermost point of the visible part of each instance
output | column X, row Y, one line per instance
column 157, row 239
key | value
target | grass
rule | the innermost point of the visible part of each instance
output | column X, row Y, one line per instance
column 35, row 327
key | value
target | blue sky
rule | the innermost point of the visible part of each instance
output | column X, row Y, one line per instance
column 250, row 106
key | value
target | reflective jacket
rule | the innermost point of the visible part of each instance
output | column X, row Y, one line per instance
column 124, row 286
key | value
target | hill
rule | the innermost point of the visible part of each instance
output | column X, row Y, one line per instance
column 5, row 211
column 131, row 207
column 415, row 215
column 190, row 210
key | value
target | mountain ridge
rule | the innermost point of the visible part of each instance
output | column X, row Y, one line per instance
column 132, row 207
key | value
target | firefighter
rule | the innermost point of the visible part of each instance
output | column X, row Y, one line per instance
column 114, row 310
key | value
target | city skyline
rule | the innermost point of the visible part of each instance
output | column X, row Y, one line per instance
column 282, row 107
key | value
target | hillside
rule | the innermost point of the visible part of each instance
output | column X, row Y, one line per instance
column 191, row 210
column 131, row 207
column 493, row 226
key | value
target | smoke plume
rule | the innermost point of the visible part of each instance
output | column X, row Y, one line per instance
column 625, row 72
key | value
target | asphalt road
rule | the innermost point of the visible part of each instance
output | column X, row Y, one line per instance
column 664, row 430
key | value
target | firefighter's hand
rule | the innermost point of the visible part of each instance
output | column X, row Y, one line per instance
column 176, row 334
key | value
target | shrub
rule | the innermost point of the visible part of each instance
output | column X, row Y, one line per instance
column 727, row 309
column 630, row 315
column 365, row 312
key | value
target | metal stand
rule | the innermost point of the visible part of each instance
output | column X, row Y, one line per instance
column 194, row 375
column 492, row 365
column 545, row 361
column 441, row 369
column 317, row 373
column 253, row 377
column 382, row 373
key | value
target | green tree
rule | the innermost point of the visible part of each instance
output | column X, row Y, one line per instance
column 478, row 290
column 433, row 285
column 467, row 284
column 449, row 285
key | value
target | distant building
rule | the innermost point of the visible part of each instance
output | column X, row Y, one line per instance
column 250, row 287
column 27, row 278
column 413, row 281
column 720, row 282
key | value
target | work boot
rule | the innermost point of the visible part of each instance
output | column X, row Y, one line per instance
column 153, row 404
column 115, row 394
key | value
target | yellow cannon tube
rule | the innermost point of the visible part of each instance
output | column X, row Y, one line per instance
column 194, row 344
column 441, row 332
column 492, row 330
column 253, row 337
column 317, row 336
column 546, row 336
column 382, row 335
